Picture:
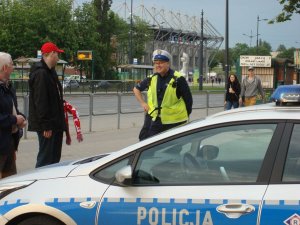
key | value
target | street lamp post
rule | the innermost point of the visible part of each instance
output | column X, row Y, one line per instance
column 201, row 56
column 257, row 25
column 250, row 36
column 226, row 42
column 130, row 39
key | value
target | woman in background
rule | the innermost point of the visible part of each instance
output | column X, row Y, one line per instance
column 233, row 91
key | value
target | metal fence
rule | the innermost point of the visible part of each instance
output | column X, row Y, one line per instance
column 99, row 104
column 89, row 86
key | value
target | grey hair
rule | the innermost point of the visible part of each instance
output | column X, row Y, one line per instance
column 5, row 59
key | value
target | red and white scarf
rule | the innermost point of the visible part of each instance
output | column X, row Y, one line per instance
column 68, row 108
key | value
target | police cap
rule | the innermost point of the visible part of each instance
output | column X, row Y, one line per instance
column 161, row 55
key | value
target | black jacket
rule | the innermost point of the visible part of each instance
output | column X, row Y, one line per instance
column 7, row 120
column 46, row 110
column 233, row 97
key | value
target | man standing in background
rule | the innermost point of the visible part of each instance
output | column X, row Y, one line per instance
column 250, row 87
column 46, row 110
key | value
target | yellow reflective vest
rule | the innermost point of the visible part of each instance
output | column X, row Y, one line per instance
column 172, row 109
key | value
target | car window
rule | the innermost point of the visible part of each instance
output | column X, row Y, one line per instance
column 229, row 154
column 292, row 165
column 107, row 174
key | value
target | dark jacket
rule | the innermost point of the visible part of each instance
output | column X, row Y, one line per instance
column 46, row 111
column 233, row 97
column 7, row 120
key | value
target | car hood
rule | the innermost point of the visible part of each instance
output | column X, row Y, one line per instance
column 57, row 170
column 42, row 173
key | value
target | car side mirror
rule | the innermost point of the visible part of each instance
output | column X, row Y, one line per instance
column 208, row 152
column 124, row 175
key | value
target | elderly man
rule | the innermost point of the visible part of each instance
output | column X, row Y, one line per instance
column 250, row 87
column 169, row 97
column 46, row 110
column 11, row 120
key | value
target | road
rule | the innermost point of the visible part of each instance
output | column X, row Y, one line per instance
column 104, row 104
column 108, row 103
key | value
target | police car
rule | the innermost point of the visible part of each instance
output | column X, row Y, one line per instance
column 286, row 94
column 240, row 166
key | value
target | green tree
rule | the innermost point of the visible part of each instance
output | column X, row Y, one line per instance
column 27, row 24
column 289, row 8
column 281, row 48
column 214, row 61
column 105, row 29
column 141, row 35
column 121, row 33
column 87, row 37
column 240, row 49
column 288, row 54
column 264, row 48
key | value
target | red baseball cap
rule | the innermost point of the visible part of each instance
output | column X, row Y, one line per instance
column 50, row 47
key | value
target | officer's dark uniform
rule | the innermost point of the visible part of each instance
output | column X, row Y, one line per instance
column 150, row 127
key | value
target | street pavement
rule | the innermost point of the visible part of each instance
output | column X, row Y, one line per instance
column 105, row 137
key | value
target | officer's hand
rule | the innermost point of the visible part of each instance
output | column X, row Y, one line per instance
column 145, row 107
column 47, row 133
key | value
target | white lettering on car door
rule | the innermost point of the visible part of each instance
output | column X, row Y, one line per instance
column 152, row 216
column 141, row 214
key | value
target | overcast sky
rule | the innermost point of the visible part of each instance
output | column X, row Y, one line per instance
column 242, row 18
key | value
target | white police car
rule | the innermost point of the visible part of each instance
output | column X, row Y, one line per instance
column 237, row 167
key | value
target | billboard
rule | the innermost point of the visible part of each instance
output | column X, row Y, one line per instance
column 84, row 55
column 255, row 60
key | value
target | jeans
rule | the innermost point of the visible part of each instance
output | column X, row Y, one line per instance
column 49, row 148
column 229, row 105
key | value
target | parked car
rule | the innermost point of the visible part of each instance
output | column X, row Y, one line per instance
column 239, row 166
column 76, row 77
column 70, row 84
column 104, row 84
column 285, row 94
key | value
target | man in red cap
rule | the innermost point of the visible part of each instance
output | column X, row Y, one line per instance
column 46, row 110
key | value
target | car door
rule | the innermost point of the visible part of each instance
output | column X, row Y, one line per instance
column 281, row 203
column 216, row 175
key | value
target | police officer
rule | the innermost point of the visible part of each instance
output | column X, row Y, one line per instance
column 169, row 97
